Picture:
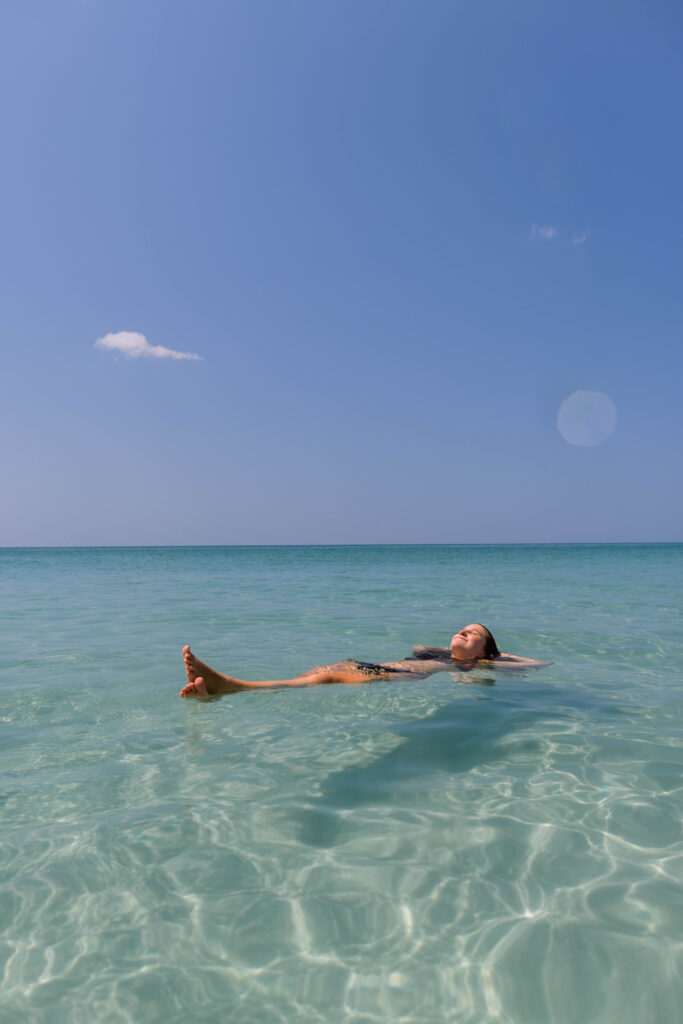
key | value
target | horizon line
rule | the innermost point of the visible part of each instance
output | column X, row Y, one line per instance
column 351, row 544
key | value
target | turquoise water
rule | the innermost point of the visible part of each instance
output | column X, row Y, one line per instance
column 477, row 848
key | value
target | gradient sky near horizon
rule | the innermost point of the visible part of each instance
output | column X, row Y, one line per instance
column 326, row 272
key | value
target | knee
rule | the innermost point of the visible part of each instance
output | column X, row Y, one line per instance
column 319, row 674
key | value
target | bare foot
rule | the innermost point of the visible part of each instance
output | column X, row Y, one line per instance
column 194, row 667
column 197, row 688
column 191, row 664
column 211, row 682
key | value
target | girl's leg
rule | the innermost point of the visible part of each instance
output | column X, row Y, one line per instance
column 204, row 682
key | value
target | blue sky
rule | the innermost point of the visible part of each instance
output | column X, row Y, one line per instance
column 397, row 234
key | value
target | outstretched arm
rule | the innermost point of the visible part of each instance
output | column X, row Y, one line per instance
column 514, row 661
column 506, row 661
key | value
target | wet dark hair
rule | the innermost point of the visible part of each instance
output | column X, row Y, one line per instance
column 490, row 645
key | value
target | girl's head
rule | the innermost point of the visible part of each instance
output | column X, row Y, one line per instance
column 474, row 643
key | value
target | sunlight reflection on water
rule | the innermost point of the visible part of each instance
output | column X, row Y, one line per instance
column 390, row 851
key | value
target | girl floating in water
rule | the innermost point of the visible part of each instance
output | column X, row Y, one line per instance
column 473, row 645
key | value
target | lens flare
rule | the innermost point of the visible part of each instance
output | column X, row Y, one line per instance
column 587, row 418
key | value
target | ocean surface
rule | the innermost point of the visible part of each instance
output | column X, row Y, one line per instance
column 472, row 847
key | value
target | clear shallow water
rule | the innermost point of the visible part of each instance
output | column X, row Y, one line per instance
column 486, row 847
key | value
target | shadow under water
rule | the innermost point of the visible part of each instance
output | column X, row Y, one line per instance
column 458, row 737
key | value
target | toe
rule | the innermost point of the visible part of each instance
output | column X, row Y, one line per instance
column 197, row 688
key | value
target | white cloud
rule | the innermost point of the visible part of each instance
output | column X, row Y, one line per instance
column 579, row 237
column 544, row 233
column 133, row 345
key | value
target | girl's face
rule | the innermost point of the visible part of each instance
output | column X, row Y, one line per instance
column 469, row 644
